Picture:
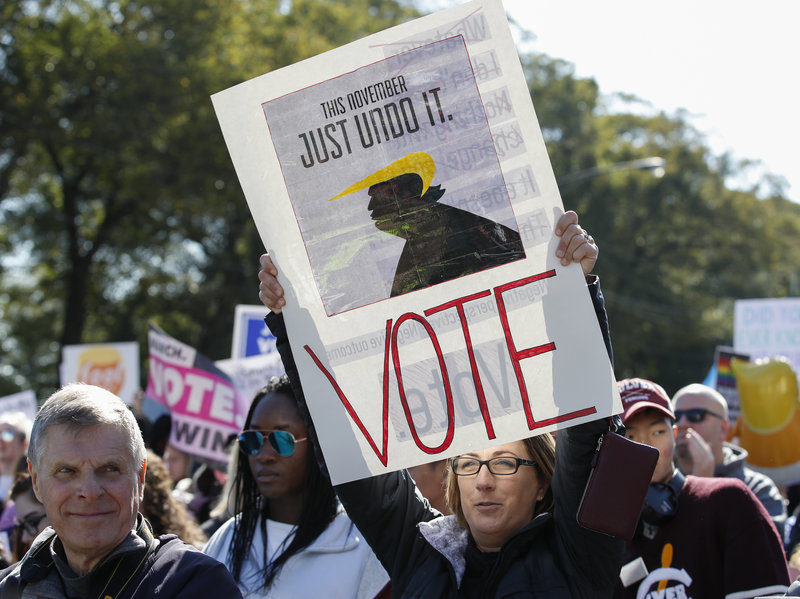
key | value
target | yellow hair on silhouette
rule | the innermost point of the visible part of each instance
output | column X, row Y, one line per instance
column 419, row 163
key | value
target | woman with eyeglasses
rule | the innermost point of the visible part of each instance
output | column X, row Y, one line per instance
column 31, row 519
column 513, row 532
column 290, row 537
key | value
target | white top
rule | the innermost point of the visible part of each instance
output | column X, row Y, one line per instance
column 337, row 565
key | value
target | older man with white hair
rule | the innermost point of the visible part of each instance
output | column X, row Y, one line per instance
column 701, row 418
column 87, row 462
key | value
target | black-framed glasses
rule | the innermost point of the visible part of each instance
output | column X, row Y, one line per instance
column 283, row 442
column 695, row 415
column 502, row 465
column 30, row 524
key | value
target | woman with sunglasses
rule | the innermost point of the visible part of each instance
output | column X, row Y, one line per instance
column 15, row 428
column 513, row 532
column 290, row 537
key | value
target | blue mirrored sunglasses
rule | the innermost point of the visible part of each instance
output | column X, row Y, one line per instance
column 282, row 442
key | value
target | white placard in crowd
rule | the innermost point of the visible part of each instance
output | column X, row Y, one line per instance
column 402, row 186
column 250, row 374
column 767, row 328
column 24, row 401
column 112, row 366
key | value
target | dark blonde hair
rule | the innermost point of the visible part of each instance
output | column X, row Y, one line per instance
column 541, row 449
column 165, row 513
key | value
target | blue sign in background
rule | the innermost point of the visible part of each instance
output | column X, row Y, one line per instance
column 259, row 340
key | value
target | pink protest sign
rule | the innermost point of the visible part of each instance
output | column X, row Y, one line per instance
column 205, row 407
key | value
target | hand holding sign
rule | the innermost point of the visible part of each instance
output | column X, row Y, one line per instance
column 576, row 244
column 270, row 292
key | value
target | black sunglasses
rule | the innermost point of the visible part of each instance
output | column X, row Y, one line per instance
column 695, row 415
column 283, row 442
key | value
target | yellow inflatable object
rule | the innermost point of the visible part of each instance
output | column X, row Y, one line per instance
column 769, row 423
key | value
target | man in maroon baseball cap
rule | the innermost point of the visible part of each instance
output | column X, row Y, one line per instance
column 641, row 394
column 698, row 537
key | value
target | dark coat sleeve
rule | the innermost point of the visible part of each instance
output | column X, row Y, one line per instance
column 277, row 326
column 595, row 558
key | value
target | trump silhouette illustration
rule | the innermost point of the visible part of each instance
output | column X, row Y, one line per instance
column 441, row 242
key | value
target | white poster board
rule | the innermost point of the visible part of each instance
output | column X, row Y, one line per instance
column 767, row 328
column 112, row 366
column 250, row 374
column 24, row 401
column 428, row 315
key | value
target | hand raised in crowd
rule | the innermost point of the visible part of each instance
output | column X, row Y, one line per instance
column 575, row 245
column 694, row 454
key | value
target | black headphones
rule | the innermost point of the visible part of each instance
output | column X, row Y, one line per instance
column 661, row 502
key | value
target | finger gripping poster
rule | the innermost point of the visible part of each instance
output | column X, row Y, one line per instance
column 402, row 188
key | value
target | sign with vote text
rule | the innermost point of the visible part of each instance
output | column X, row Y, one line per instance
column 402, row 187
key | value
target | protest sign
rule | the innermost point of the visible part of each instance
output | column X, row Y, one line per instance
column 24, row 401
column 402, row 186
column 768, row 327
column 204, row 405
column 251, row 337
column 250, row 374
column 112, row 366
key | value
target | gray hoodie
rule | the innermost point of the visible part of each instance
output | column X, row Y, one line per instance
column 733, row 466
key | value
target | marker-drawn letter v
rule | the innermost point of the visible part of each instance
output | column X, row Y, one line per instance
column 383, row 453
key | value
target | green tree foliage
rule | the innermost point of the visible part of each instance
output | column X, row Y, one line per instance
column 676, row 251
column 119, row 201
column 119, row 204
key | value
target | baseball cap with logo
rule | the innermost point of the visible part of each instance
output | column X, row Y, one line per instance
column 641, row 394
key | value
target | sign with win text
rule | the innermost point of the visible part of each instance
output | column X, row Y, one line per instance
column 202, row 401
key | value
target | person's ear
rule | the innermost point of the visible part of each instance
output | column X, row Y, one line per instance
column 34, row 481
column 725, row 428
column 542, row 492
column 141, row 475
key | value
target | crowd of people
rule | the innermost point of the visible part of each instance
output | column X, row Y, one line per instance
column 96, row 502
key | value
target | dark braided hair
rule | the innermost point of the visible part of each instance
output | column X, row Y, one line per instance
column 318, row 511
